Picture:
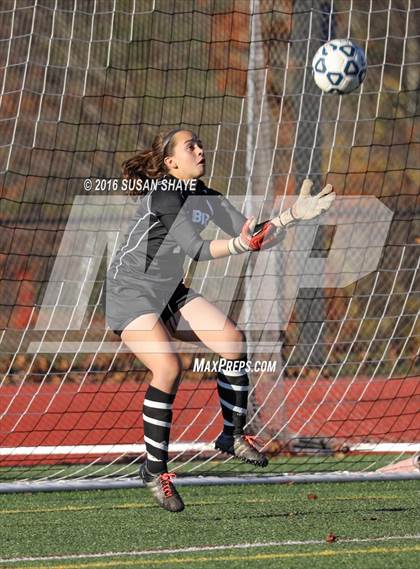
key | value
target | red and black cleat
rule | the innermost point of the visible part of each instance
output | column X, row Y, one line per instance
column 241, row 446
column 162, row 489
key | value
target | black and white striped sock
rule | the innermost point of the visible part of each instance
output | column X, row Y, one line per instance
column 157, row 419
column 233, row 388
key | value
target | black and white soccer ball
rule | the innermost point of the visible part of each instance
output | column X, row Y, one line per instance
column 339, row 66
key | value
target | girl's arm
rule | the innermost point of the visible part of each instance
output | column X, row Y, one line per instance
column 219, row 248
column 306, row 207
column 168, row 207
column 248, row 235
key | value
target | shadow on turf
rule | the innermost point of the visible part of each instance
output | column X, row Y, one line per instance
column 303, row 513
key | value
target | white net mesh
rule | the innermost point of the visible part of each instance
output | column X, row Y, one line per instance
column 84, row 86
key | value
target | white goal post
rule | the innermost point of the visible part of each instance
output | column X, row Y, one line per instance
column 87, row 84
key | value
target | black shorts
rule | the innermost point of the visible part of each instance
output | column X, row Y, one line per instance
column 125, row 304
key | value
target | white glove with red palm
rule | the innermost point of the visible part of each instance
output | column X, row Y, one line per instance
column 254, row 237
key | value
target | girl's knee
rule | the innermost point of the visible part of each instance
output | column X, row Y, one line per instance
column 168, row 370
column 236, row 347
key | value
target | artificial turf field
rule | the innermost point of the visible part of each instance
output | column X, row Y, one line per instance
column 377, row 525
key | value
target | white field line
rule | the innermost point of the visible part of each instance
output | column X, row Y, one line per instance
column 176, row 447
column 97, row 449
column 204, row 548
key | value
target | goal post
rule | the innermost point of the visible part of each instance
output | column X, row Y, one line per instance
column 335, row 307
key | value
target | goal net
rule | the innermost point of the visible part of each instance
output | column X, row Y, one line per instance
column 331, row 314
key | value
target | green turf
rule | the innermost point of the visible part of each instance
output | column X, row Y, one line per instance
column 64, row 523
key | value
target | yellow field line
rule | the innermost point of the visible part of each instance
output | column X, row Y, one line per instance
column 199, row 503
column 256, row 557
column 75, row 509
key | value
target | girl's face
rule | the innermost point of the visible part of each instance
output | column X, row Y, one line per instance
column 187, row 158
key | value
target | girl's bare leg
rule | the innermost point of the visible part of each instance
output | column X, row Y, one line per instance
column 222, row 336
column 148, row 338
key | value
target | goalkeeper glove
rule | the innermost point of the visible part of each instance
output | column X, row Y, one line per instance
column 307, row 206
column 254, row 238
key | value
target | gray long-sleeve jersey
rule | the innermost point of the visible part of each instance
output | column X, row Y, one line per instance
column 166, row 228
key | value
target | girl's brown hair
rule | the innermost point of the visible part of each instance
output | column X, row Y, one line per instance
column 149, row 163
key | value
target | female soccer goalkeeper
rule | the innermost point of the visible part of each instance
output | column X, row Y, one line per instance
column 146, row 294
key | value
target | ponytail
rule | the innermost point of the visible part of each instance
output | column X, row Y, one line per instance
column 149, row 163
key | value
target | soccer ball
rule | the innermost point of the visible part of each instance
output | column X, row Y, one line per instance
column 339, row 66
